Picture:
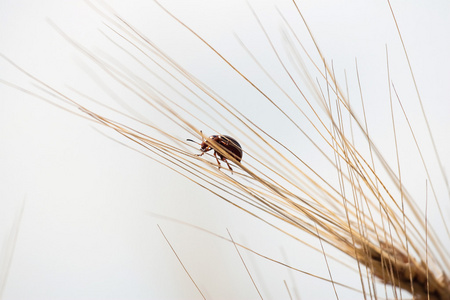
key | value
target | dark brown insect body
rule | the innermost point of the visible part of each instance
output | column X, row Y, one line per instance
column 226, row 143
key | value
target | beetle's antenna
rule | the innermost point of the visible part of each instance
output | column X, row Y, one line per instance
column 189, row 140
column 201, row 133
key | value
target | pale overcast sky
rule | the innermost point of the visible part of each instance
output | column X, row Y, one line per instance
column 85, row 232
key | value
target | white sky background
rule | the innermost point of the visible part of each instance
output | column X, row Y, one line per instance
column 85, row 233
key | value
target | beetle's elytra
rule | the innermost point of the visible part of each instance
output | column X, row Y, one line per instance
column 226, row 143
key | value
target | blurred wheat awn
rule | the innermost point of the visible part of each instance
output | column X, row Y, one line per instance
column 364, row 210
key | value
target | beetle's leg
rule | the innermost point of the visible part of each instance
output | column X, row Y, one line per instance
column 215, row 155
column 228, row 165
column 204, row 151
column 223, row 159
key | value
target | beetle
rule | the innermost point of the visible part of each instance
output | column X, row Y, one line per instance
column 226, row 143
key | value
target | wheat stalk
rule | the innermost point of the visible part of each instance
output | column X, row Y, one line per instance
column 365, row 213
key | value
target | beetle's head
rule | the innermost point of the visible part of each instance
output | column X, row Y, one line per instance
column 203, row 146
